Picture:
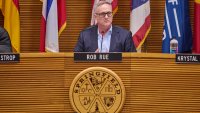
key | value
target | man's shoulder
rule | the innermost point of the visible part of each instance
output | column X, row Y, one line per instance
column 120, row 29
column 2, row 29
column 88, row 29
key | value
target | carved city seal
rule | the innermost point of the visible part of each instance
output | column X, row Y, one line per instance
column 97, row 90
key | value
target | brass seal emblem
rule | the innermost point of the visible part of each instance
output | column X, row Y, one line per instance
column 97, row 90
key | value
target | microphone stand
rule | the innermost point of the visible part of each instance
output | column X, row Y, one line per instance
column 102, row 40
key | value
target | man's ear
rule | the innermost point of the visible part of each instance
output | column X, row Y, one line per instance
column 95, row 21
column 95, row 16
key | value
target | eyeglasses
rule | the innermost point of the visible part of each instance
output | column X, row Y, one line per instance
column 103, row 14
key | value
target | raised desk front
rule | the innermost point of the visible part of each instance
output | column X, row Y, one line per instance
column 40, row 82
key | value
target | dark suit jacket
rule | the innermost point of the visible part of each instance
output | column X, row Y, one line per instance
column 121, row 40
column 5, row 44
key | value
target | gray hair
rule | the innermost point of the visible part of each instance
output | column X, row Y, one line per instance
column 102, row 2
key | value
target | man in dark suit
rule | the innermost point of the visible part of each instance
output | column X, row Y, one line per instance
column 5, row 44
column 104, row 37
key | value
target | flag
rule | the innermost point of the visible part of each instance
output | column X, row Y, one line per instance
column 53, row 23
column 140, row 21
column 177, row 26
column 196, row 39
column 94, row 3
column 10, row 11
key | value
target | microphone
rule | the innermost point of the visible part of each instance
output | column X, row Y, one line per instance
column 102, row 40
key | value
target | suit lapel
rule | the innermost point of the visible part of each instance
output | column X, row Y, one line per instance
column 114, row 38
column 94, row 39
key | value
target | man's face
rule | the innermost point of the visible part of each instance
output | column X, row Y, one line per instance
column 104, row 16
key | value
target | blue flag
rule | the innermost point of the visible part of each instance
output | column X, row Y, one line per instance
column 177, row 28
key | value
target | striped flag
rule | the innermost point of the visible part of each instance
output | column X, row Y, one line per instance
column 10, row 11
column 53, row 23
column 140, row 21
column 196, row 39
column 177, row 33
column 94, row 3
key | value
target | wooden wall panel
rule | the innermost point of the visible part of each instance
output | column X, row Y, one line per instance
column 30, row 15
column 78, row 18
column 1, row 19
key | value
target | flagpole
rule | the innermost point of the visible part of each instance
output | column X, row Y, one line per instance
column 145, row 45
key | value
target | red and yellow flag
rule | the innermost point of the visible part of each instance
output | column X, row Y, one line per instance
column 10, row 11
column 196, row 40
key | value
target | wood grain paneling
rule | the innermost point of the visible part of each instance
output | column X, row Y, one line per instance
column 161, row 85
column 78, row 18
column 36, row 84
column 154, row 83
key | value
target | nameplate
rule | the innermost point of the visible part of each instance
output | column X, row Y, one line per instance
column 187, row 58
column 97, row 56
column 9, row 58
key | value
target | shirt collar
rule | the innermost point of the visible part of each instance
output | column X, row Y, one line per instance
column 109, row 31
